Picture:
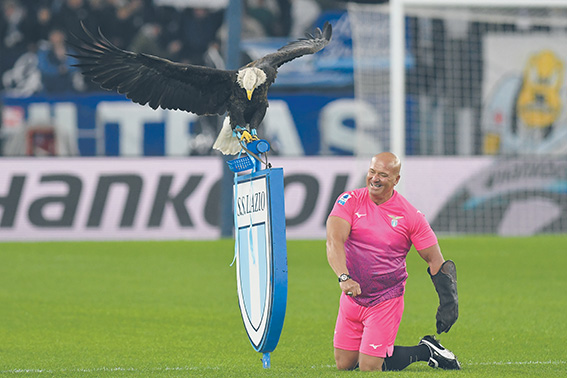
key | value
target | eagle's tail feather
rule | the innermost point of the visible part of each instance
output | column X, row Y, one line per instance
column 227, row 143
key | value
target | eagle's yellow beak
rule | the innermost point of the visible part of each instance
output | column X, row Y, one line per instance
column 249, row 94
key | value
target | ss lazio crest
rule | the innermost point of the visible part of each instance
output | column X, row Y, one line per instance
column 394, row 221
column 261, row 256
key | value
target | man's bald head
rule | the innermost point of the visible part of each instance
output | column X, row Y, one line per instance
column 389, row 160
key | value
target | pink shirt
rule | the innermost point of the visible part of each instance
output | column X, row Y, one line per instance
column 379, row 241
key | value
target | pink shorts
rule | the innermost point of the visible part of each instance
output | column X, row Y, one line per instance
column 370, row 330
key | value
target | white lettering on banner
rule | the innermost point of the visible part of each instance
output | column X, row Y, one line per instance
column 281, row 131
column 62, row 116
column 65, row 115
column 130, row 118
column 39, row 113
column 360, row 140
column 177, row 135
column 279, row 127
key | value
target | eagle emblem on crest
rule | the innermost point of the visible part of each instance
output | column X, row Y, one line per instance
column 394, row 221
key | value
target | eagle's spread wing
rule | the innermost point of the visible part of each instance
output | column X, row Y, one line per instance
column 151, row 80
column 303, row 46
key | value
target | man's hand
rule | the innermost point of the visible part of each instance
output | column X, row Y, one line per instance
column 350, row 287
column 445, row 282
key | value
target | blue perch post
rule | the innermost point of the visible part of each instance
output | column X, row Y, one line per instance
column 260, row 249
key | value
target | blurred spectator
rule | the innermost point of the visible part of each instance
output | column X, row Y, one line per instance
column 264, row 12
column 129, row 19
column 13, row 25
column 285, row 19
column 198, row 30
column 13, row 41
column 40, row 22
column 69, row 16
column 273, row 15
column 148, row 40
column 24, row 78
column 102, row 15
column 57, row 74
column 304, row 14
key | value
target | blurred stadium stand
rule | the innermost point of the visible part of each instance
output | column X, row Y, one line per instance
column 36, row 71
column 184, row 31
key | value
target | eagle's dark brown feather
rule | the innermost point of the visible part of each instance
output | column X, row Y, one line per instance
column 147, row 79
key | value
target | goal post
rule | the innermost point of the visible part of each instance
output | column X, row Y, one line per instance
column 444, row 112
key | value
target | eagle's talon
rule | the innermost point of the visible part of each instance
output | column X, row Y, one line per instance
column 246, row 137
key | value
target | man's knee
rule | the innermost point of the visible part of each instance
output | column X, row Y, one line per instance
column 346, row 359
column 370, row 363
column 345, row 365
column 370, row 367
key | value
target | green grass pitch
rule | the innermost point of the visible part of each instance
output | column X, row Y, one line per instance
column 170, row 309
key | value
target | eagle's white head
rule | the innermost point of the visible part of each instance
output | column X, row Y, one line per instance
column 250, row 78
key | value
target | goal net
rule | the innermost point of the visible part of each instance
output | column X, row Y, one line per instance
column 476, row 79
column 485, row 80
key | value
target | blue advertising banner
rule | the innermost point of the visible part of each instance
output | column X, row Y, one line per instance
column 112, row 125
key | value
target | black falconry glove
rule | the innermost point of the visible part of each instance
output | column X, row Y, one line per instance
column 445, row 282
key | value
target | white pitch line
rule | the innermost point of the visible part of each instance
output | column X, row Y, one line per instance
column 102, row 369
column 490, row 363
column 197, row 368
column 499, row 363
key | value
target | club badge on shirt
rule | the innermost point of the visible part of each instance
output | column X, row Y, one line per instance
column 394, row 221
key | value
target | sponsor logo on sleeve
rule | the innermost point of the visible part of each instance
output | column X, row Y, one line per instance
column 344, row 198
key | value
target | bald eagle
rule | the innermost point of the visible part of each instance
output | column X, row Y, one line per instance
column 158, row 82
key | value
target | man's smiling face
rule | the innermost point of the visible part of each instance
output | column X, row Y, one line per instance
column 383, row 174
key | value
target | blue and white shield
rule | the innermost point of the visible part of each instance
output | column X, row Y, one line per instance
column 261, row 256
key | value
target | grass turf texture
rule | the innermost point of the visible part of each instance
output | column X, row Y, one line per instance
column 168, row 309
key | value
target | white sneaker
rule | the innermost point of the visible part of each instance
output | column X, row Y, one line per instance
column 440, row 357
